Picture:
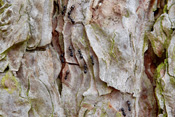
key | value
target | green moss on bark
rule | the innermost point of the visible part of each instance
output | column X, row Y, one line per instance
column 9, row 82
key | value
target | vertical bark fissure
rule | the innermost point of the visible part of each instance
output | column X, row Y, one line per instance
column 151, row 60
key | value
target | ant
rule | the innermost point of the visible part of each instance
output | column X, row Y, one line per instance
column 62, row 58
column 67, row 73
column 81, row 56
column 69, row 13
column 92, row 59
column 71, row 52
column 129, row 105
column 85, row 68
column 72, row 8
column 123, row 111
column 64, row 10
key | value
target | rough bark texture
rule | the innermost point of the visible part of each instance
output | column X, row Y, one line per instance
column 87, row 58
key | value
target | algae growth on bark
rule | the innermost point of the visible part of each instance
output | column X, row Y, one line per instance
column 87, row 58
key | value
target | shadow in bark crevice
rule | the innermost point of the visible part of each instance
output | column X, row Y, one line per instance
column 151, row 62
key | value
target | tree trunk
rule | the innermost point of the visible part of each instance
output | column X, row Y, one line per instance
column 87, row 58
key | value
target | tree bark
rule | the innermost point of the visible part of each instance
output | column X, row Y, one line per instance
column 76, row 58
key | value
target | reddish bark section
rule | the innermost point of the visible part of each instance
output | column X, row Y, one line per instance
column 150, row 63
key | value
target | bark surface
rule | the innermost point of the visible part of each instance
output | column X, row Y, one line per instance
column 87, row 58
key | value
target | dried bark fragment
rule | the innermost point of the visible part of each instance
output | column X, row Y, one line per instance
column 15, row 55
column 14, row 26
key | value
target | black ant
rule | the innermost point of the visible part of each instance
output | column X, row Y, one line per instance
column 71, row 52
column 64, row 10
column 129, row 105
column 73, row 22
column 85, row 71
column 85, row 68
column 72, row 7
column 69, row 13
column 70, row 48
column 62, row 58
column 123, row 111
column 71, row 18
column 92, row 59
column 81, row 56
column 67, row 73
